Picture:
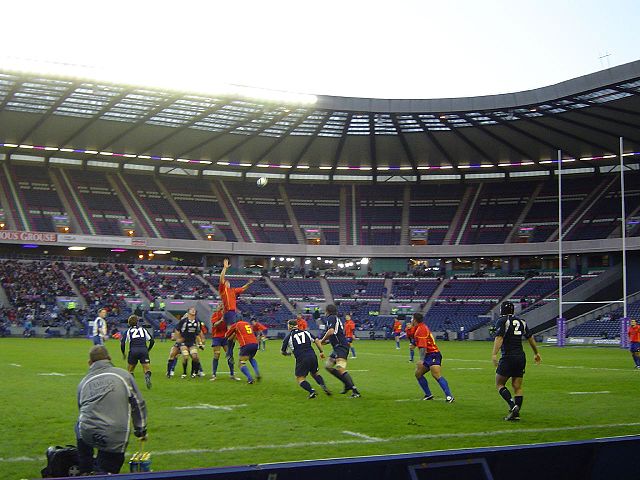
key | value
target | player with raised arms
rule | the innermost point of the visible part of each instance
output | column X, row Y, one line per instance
column 300, row 343
column 510, row 330
column 137, row 336
column 219, row 342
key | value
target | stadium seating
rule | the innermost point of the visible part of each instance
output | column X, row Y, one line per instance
column 171, row 282
column 607, row 325
column 102, row 204
column 38, row 196
column 264, row 211
column 356, row 288
column 199, row 203
column 158, row 208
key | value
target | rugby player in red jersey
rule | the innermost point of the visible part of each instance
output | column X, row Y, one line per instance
column 350, row 333
column 243, row 332
column 397, row 330
column 219, row 342
column 431, row 360
column 410, row 330
column 301, row 323
column 634, row 338
column 261, row 332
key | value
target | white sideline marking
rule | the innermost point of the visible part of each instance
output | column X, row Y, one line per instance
column 53, row 374
column 361, row 440
column 582, row 367
column 420, row 400
column 467, row 368
column 362, row 435
column 15, row 365
column 206, row 406
column 589, row 393
column 357, row 370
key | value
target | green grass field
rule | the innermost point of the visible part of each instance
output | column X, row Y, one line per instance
column 273, row 421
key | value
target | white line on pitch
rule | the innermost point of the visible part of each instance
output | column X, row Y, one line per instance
column 589, row 393
column 362, row 435
column 467, row 368
column 359, row 440
column 53, row 374
column 206, row 406
column 582, row 367
column 358, row 370
column 419, row 400
column 15, row 365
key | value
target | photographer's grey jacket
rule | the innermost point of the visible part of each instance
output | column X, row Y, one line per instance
column 108, row 399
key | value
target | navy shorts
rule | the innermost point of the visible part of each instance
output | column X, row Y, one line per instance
column 635, row 347
column 340, row 351
column 230, row 317
column 219, row 342
column 512, row 366
column 97, row 340
column 432, row 359
column 306, row 365
column 350, row 339
column 248, row 350
column 138, row 355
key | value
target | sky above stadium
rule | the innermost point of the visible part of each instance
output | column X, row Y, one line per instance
column 401, row 49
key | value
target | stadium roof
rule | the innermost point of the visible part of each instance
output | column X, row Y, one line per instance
column 95, row 123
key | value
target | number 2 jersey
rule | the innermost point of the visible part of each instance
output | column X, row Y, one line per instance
column 137, row 338
column 513, row 330
column 300, row 342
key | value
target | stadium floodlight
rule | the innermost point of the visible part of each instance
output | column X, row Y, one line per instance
column 77, row 248
column 161, row 252
column 273, row 258
column 364, row 261
column 282, row 259
column 341, row 265
column 307, row 262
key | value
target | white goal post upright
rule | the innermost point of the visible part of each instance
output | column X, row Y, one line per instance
column 561, row 321
column 624, row 321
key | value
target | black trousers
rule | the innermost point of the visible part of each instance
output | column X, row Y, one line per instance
column 105, row 462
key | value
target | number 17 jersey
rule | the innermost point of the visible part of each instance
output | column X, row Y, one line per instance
column 513, row 330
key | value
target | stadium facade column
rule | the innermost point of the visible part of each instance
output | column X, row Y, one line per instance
column 573, row 263
column 515, row 264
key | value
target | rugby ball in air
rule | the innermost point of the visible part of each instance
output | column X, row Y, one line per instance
column 262, row 182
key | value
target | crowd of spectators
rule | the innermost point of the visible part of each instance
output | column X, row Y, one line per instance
column 171, row 282
column 33, row 288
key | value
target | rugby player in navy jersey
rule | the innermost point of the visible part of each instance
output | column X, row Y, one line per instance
column 300, row 343
column 337, row 363
column 137, row 336
column 188, row 335
column 510, row 331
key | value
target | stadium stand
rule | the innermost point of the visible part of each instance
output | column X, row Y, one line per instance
column 38, row 196
column 99, row 200
column 264, row 212
column 33, row 288
column 200, row 204
column 161, row 212
column 170, row 282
